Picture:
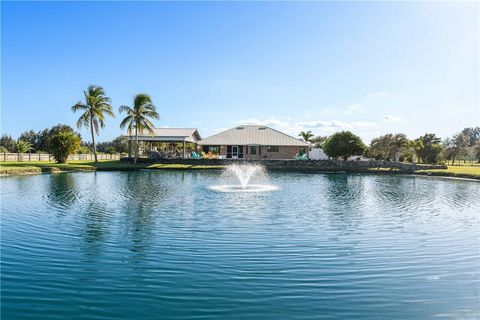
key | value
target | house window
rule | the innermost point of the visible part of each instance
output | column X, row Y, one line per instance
column 272, row 149
column 212, row 149
column 253, row 149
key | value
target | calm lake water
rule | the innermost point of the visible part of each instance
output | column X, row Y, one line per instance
column 149, row 245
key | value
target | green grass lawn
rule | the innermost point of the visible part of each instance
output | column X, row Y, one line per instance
column 467, row 171
column 14, row 167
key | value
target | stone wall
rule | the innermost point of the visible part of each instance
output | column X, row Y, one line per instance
column 304, row 165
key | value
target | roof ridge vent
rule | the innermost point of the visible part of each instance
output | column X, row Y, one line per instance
column 262, row 128
column 240, row 128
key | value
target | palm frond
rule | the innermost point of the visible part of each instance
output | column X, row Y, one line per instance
column 84, row 120
column 124, row 109
column 127, row 120
column 79, row 106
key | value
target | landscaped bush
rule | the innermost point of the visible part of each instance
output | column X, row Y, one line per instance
column 63, row 144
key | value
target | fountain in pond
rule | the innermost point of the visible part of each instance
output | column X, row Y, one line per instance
column 242, row 175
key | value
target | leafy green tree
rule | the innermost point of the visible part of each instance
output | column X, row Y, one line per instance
column 318, row 141
column 381, row 147
column 31, row 137
column 429, row 148
column 110, row 150
column 3, row 149
column 63, row 144
column 137, row 119
column 389, row 146
column 120, row 144
column 94, row 109
column 306, row 136
column 473, row 135
column 43, row 137
column 344, row 144
column 84, row 150
column 477, row 151
column 8, row 142
column 42, row 143
column 456, row 146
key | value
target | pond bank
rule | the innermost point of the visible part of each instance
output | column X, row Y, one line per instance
column 23, row 168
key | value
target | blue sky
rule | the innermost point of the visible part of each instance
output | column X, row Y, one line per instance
column 371, row 68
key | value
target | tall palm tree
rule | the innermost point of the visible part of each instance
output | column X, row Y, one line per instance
column 306, row 136
column 95, row 107
column 137, row 117
column 399, row 141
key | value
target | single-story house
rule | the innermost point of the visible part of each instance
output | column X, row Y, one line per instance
column 254, row 142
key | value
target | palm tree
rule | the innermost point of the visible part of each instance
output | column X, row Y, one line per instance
column 398, row 142
column 23, row 146
column 137, row 117
column 95, row 107
column 306, row 136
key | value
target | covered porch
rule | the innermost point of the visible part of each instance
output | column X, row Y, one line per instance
column 166, row 143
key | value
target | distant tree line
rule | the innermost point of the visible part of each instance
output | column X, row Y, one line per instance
column 40, row 142
column 428, row 148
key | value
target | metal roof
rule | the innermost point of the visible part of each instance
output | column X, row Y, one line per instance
column 169, row 134
column 253, row 135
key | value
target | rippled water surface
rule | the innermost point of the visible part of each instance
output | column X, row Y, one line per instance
column 149, row 245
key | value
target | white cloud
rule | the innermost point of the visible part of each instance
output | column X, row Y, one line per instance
column 273, row 122
column 353, row 108
column 319, row 127
column 389, row 118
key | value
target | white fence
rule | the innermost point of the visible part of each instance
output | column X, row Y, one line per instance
column 28, row 157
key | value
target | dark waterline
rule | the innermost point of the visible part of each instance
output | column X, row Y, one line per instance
column 150, row 245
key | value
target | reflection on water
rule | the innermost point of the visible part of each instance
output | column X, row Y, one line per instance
column 103, row 245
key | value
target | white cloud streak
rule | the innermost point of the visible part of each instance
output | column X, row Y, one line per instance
column 319, row 127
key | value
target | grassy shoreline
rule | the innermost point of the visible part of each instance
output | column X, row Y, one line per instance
column 19, row 168
column 22, row 168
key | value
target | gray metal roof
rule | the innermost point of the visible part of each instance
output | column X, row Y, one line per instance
column 169, row 134
column 253, row 135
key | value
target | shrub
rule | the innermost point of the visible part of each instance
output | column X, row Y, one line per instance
column 344, row 144
column 63, row 144
column 3, row 149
